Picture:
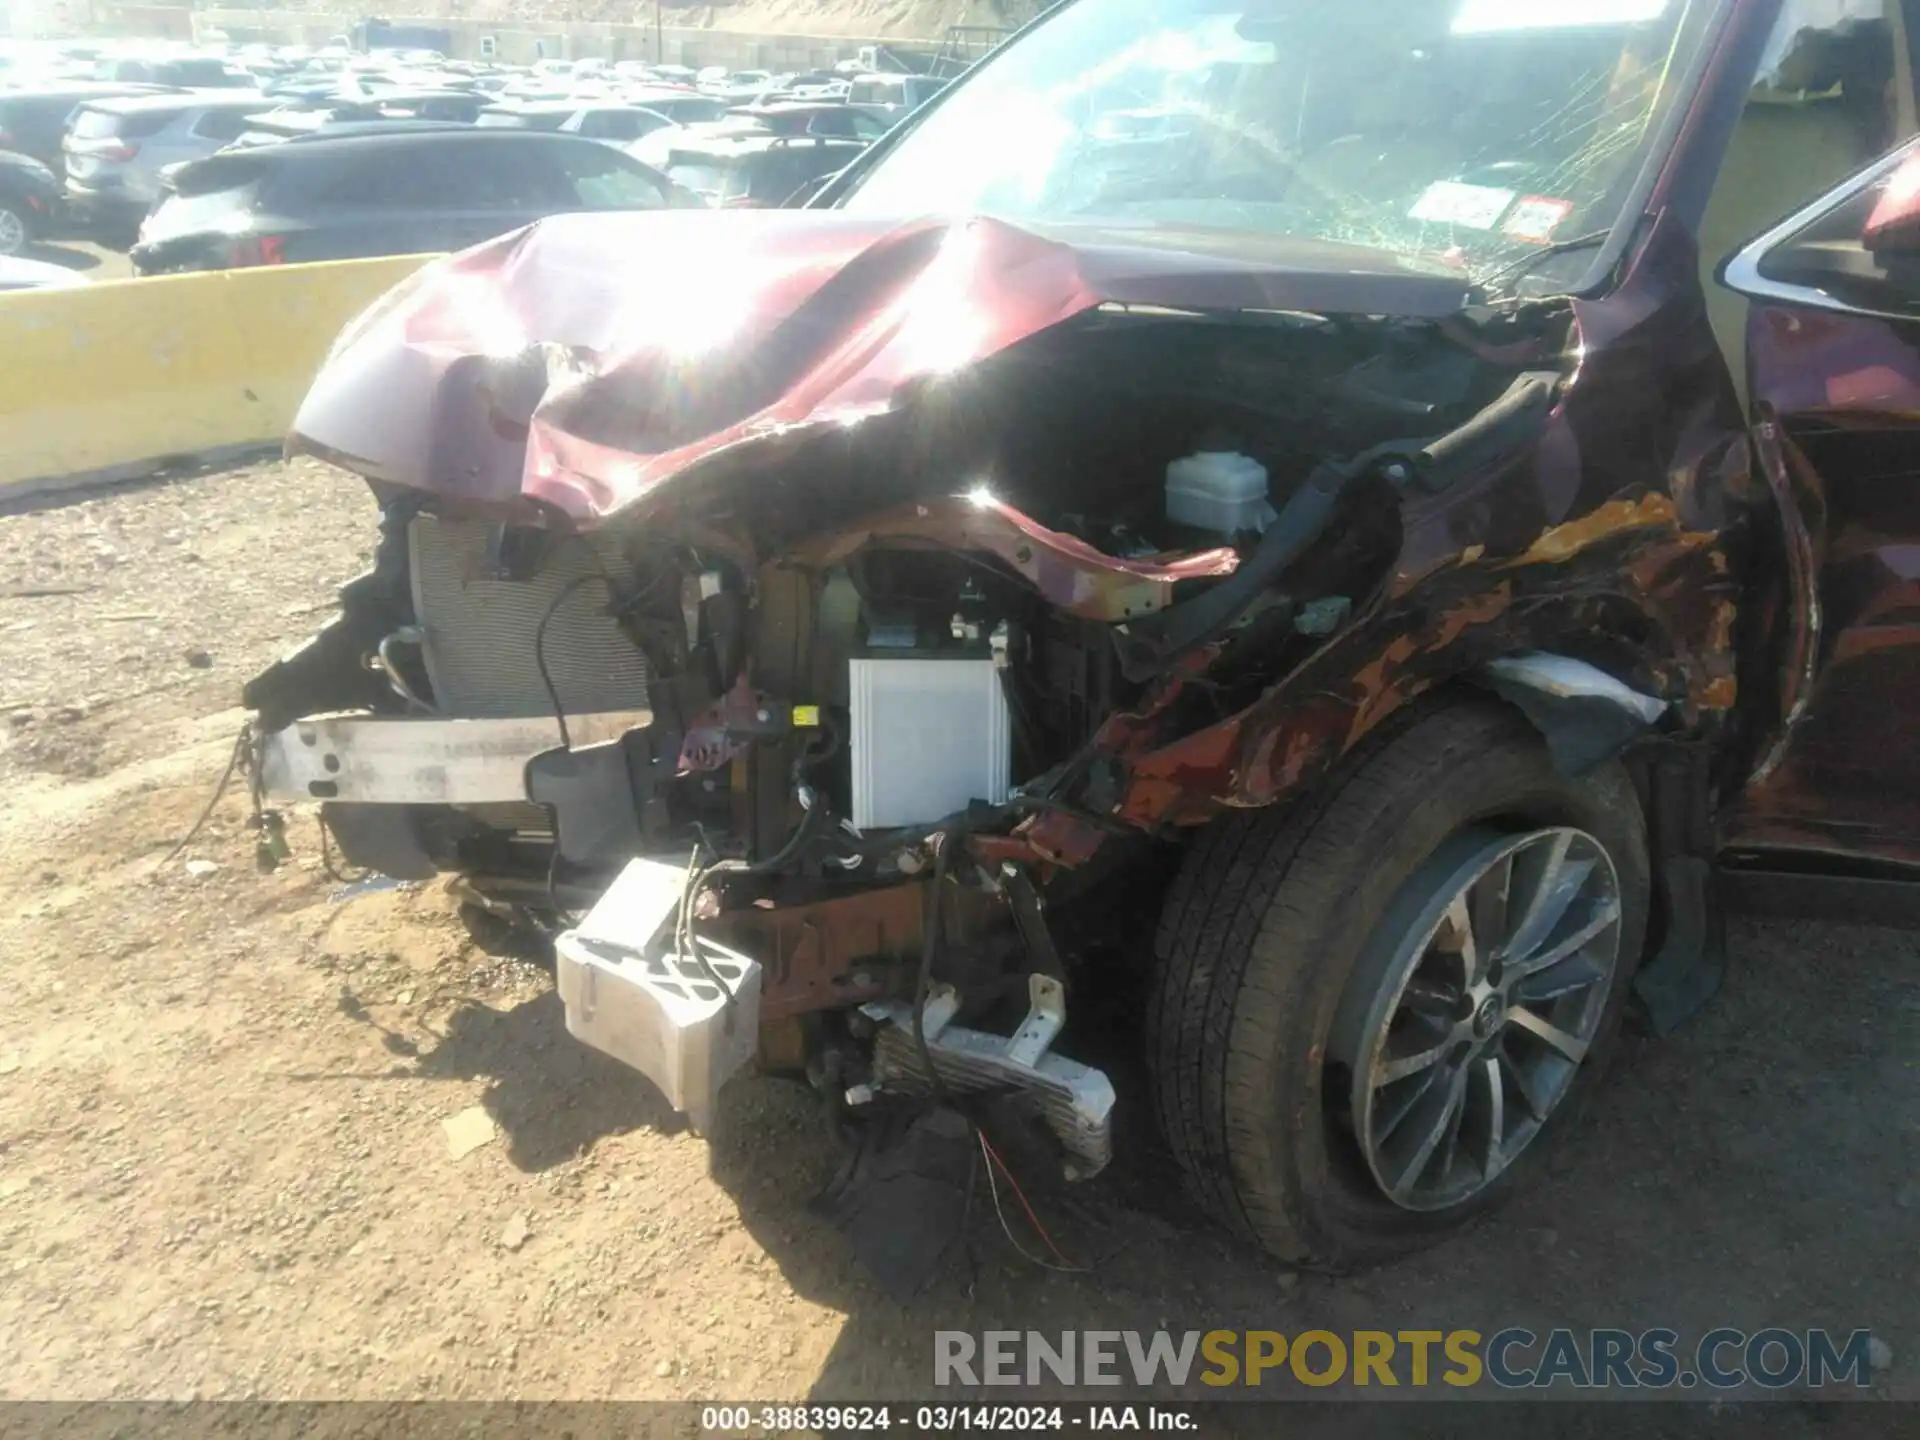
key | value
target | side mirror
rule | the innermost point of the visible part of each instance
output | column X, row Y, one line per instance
column 1894, row 226
column 1855, row 250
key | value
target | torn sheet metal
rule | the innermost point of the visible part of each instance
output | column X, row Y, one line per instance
column 1065, row 570
column 1586, row 715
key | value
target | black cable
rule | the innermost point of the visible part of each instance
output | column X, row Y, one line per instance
column 326, row 855
column 240, row 745
column 687, row 931
column 540, row 650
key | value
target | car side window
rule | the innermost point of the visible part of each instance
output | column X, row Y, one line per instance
column 774, row 176
column 838, row 123
column 387, row 179
column 599, row 180
column 222, row 125
column 1834, row 90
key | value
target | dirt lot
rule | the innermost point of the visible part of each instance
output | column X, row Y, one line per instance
column 224, row 1166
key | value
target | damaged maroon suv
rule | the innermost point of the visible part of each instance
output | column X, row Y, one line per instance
column 1254, row 530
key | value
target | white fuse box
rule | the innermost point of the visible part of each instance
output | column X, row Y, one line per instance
column 930, row 736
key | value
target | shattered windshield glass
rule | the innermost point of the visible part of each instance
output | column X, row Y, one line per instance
column 1477, row 132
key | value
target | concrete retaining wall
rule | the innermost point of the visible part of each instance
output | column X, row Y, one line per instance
column 106, row 381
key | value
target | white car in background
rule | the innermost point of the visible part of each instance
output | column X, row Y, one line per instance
column 18, row 274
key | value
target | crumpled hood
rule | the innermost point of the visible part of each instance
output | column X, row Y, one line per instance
column 584, row 361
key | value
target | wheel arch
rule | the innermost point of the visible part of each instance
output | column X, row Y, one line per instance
column 1590, row 673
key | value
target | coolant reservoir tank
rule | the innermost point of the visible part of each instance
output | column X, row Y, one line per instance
column 1218, row 490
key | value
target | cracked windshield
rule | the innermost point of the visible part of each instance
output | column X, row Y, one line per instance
column 1477, row 134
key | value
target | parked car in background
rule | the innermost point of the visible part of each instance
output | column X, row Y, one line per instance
column 813, row 117
column 199, row 72
column 116, row 149
column 29, row 201
column 755, row 171
column 893, row 96
column 277, row 129
column 377, row 193
column 680, row 107
column 460, row 106
column 548, row 115
column 33, row 119
column 614, row 124
column 18, row 274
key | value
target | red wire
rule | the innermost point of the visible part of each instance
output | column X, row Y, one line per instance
column 1020, row 1195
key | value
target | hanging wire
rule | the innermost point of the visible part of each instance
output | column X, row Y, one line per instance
column 241, row 744
column 1065, row 1266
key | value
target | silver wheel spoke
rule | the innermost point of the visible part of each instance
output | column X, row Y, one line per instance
column 1399, row 1067
column 1488, row 902
column 1462, row 941
column 1606, row 915
column 1485, row 1080
column 1570, row 1046
column 1556, row 883
column 1569, row 977
column 1484, row 994
column 1444, row 1107
column 1518, row 1078
column 1389, row 1119
column 1430, row 998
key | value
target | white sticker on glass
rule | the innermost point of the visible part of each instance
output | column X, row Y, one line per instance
column 1451, row 202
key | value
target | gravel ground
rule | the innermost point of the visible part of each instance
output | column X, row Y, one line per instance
column 228, row 1171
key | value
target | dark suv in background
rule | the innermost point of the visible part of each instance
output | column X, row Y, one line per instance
column 384, row 194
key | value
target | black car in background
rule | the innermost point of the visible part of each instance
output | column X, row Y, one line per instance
column 325, row 125
column 348, row 197
column 29, row 201
column 33, row 119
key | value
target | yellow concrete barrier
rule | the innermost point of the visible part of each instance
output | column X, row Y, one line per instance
column 106, row 381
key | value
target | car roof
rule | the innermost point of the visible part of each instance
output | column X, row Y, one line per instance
column 84, row 89
column 346, row 129
column 183, row 100
column 381, row 134
column 797, row 107
column 741, row 145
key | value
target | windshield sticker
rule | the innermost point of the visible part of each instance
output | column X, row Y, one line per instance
column 1452, row 202
column 1535, row 219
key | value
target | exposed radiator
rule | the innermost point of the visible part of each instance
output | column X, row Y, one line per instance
column 480, row 630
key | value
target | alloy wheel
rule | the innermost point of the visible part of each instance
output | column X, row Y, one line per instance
column 1473, row 1007
column 13, row 232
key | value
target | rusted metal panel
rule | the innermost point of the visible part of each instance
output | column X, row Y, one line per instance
column 827, row 954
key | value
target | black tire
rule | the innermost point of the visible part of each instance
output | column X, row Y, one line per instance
column 15, row 222
column 1260, row 936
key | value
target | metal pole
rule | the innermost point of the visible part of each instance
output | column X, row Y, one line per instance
column 659, row 37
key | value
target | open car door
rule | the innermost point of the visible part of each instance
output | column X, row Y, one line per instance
column 1833, row 369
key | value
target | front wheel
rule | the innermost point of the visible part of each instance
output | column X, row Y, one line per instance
column 1376, row 1009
